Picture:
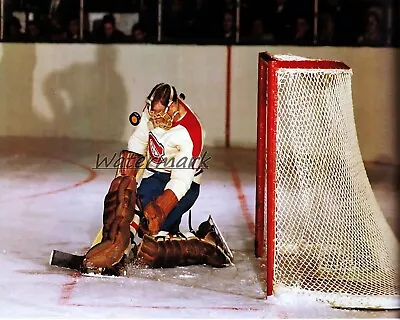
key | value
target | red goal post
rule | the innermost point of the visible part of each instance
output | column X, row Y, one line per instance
column 310, row 170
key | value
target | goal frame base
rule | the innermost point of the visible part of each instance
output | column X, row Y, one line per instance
column 340, row 300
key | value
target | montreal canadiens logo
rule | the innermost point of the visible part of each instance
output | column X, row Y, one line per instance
column 156, row 150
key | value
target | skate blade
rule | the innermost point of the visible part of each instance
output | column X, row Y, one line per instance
column 226, row 248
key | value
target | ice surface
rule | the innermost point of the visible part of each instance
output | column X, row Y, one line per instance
column 52, row 199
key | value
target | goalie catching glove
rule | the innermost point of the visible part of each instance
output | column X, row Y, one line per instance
column 119, row 211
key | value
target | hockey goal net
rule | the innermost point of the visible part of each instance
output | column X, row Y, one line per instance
column 318, row 224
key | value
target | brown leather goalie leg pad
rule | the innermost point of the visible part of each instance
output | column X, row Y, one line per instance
column 119, row 208
column 129, row 163
column 172, row 252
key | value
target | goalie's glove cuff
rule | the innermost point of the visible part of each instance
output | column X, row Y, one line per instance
column 157, row 211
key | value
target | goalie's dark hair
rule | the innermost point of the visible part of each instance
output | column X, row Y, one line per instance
column 165, row 93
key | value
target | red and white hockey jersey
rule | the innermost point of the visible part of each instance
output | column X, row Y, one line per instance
column 176, row 151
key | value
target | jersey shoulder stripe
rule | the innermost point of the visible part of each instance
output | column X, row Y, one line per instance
column 193, row 126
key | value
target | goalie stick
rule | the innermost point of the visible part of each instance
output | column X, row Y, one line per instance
column 74, row 262
column 66, row 260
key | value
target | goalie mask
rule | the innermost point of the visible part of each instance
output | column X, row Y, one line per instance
column 166, row 95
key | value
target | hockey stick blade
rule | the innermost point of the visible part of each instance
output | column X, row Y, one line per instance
column 74, row 262
column 224, row 243
column 66, row 260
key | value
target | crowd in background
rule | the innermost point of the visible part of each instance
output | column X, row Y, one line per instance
column 290, row 22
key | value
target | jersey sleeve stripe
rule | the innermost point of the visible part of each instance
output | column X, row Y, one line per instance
column 193, row 126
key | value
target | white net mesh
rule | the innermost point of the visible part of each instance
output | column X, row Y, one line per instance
column 331, row 237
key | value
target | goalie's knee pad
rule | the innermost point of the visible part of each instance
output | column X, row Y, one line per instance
column 165, row 251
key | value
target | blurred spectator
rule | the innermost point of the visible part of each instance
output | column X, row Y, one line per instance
column 108, row 32
column 54, row 23
column 64, row 10
column 13, row 31
column 281, row 21
column 344, row 17
column 227, row 35
column 373, row 35
column 58, row 35
column 258, row 34
column 8, row 7
column 207, row 25
column 138, row 34
column 175, row 21
column 249, row 9
column 32, row 33
column 340, row 22
column 148, row 17
column 73, row 30
column 56, row 31
column 327, row 31
column 303, row 34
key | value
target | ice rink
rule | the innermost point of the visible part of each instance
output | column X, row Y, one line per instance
column 52, row 198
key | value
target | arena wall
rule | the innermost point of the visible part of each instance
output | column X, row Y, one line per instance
column 88, row 91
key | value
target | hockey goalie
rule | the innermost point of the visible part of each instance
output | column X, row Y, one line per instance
column 167, row 143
